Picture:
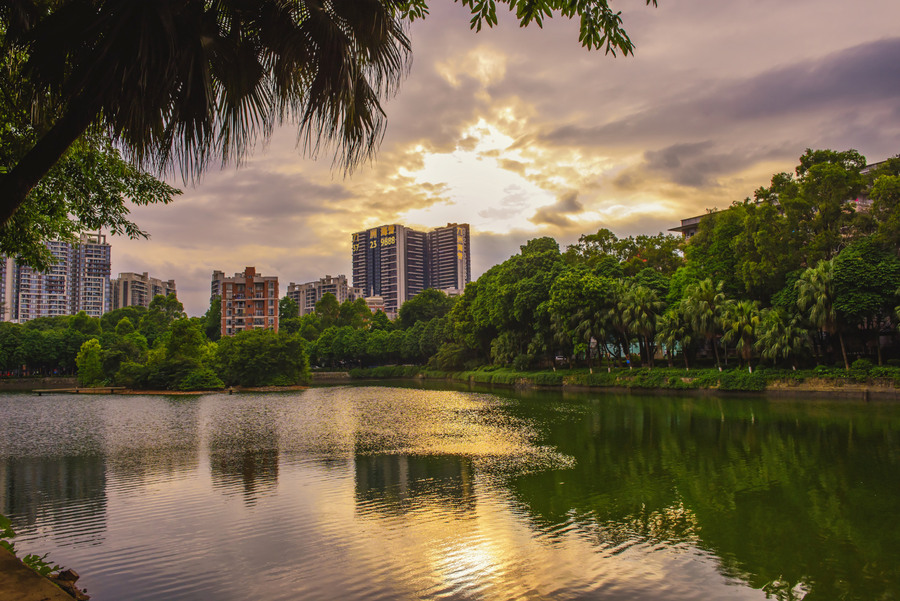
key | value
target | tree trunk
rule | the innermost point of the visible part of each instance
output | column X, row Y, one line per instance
column 15, row 185
column 716, row 351
column 843, row 351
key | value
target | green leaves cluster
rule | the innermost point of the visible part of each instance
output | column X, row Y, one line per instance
column 38, row 563
column 600, row 25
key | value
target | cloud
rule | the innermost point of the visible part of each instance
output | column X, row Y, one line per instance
column 867, row 75
column 559, row 213
column 699, row 164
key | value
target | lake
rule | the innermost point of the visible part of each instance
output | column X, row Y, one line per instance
column 393, row 492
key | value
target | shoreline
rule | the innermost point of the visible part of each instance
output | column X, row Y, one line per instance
column 880, row 389
column 838, row 388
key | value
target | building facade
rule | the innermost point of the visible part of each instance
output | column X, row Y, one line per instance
column 77, row 281
column 449, row 265
column 307, row 295
column 249, row 301
column 215, row 287
column 138, row 289
column 396, row 262
column 92, row 268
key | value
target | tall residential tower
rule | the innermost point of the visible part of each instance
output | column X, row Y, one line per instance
column 78, row 281
column 396, row 262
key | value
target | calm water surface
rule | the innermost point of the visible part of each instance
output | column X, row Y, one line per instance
column 386, row 492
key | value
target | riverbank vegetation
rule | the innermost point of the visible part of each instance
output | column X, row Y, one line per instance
column 803, row 274
column 159, row 348
column 659, row 378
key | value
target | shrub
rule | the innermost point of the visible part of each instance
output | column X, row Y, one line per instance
column 522, row 362
column 508, row 378
column 546, row 378
column 861, row 365
column 131, row 375
column 741, row 381
column 201, row 378
column 386, row 372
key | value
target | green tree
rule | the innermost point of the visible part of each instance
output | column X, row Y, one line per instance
column 85, row 324
column 380, row 321
column 163, row 311
column 673, row 330
column 711, row 251
column 10, row 339
column 705, row 303
column 328, row 310
column 261, row 358
column 640, row 309
column 213, row 317
column 55, row 322
column 288, row 308
column 885, row 194
column 816, row 296
column 355, row 313
column 109, row 321
column 124, row 327
column 782, row 336
column 865, row 282
column 424, row 306
column 741, row 320
column 90, row 366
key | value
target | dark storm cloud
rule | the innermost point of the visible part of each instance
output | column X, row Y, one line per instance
column 697, row 164
column 558, row 213
column 273, row 195
column 863, row 76
column 247, row 199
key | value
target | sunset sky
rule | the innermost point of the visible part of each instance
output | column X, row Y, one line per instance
column 523, row 133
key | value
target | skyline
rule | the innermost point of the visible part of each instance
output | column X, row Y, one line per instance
column 523, row 133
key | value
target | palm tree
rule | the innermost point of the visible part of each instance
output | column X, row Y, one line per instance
column 815, row 290
column 740, row 323
column 640, row 310
column 612, row 321
column 674, row 329
column 781, row 337
column 183, row 82
column 705, row 304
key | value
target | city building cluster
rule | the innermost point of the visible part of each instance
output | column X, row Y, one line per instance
column 79, row 280
column 390, row 263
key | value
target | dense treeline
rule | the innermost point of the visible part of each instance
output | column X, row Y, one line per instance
column 805, row 272
column 157, row 348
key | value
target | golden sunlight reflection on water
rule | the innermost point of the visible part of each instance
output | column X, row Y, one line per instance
column 376, row 492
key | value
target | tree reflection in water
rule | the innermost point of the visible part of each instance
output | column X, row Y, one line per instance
column 794, row 498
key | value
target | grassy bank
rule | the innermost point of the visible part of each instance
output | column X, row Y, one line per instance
column 660, row 378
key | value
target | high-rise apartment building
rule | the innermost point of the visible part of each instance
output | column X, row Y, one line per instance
column 215, row 287
column 307, row 295
column 8, row 290
column 449, row 258
column 396, row 262
column 138, row 289
column 389, row 261
column 92, row 267
column 249, row 301
column 77, row 281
